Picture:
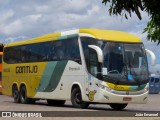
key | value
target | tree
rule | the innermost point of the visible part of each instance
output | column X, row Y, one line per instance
column 127, row 7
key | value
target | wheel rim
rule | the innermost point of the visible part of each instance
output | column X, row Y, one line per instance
column 23, row 95
column 78, row 97
column 15, row 94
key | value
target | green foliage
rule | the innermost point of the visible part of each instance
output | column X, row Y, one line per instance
column 153, row 32
column 125, row 7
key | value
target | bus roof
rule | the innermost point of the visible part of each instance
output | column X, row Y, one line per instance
column 109, row 35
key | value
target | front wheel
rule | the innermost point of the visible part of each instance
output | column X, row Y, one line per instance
column 76, row 99
column 117, row 106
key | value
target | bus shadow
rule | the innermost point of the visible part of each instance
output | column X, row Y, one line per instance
column 90, row 108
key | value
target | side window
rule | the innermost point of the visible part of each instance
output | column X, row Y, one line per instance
column 72, row 50
column 46, row 51
column 85, row 42
column 11, row 55
column 59, row 49
column 65, row 50
column 106, row 55
column 93, row 63
column 55, row 51
column 23, row 51
column 91, row 58
column 33, row 53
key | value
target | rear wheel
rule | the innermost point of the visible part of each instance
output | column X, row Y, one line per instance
column 15, row 94
column 76, row 99
column 56, row 102
column 117, row 106
column 23, row 96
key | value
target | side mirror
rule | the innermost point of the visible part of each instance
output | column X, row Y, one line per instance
column 153, row 57
column 98, row 51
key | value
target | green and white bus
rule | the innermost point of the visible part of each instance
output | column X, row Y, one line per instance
column 85, row 66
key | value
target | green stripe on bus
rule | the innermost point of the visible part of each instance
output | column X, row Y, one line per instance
column 62, row 37
column 50, row 82
column 56, row 76
column 141, row 87
column 67, row 37
column 45, row 79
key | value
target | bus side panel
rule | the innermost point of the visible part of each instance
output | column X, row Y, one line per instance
column 7, row 76
column 32, row 79
column 50, row 79
column 71, row 73
column 6, row 86
column 22, row 74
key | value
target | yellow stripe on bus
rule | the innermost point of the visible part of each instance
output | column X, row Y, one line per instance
column 118, row 87
column 116, row 36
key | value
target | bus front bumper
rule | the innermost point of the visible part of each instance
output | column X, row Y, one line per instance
column 109, row 97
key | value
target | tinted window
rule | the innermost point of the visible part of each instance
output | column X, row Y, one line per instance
column 46, row 51
column 152, row 79
column 89, row 41
column 156, row 80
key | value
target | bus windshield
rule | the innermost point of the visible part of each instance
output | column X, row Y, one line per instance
column 136, row 62
column 126, row 63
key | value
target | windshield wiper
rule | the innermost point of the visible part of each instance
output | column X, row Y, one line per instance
column 116, row 80
column 111, row 78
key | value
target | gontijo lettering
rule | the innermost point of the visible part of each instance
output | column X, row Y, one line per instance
column 27, row 69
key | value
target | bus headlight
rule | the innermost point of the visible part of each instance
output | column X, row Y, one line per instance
column 106, row 88
column 146, row 89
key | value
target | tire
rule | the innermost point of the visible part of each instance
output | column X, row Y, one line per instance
column 117, row 106
column 76, row 99
column 56, row 102
column 23, row 96
column 15, row 94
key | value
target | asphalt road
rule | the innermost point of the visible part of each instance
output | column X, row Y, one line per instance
column 7, row 104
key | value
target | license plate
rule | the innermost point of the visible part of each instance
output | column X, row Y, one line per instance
column 127, row 99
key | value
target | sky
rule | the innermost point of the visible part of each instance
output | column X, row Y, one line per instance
column 24, row 19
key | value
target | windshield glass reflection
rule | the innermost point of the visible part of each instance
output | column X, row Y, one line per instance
column 126, row 63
